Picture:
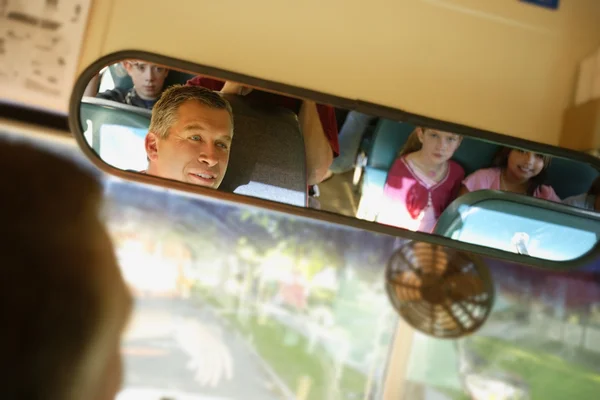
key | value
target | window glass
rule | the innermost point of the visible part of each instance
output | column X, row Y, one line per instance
column 232, row 303
column 540, row 342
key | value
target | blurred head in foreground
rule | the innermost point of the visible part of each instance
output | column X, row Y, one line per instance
column 63, row 301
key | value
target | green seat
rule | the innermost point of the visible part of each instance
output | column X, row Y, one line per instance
column 474, row 154
column 569, row 178
column 388, row 138
column 116, row 131
column 102, row 113
column 520, row 224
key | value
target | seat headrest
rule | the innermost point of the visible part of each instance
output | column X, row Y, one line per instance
column 267, row 157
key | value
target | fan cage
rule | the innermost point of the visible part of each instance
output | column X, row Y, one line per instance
column 439, row 291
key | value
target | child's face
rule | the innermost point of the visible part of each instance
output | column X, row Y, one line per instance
column 524, row 165
column 438, row 146
column 148, row 79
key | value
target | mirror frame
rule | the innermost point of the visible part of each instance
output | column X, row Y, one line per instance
column 319, row 216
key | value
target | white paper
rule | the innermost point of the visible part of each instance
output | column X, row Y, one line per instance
column 40, row 43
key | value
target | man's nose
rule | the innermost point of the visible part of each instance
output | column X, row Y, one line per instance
column 208, row 155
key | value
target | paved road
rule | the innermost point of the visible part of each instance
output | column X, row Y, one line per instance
column 174, row 345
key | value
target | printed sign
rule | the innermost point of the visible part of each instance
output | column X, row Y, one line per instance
column 40, row 41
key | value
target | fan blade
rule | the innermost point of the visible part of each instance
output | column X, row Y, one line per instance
column 406, row 295
column 402, row 283
column 409, row 264
column 464, row 309
column 449, row 311
column 462, row 287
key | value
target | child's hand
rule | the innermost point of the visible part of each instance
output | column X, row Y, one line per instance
column 235, row 88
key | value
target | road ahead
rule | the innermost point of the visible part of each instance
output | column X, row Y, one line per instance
column 175, row 345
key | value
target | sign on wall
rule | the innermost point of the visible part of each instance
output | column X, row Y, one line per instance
column 40, row 42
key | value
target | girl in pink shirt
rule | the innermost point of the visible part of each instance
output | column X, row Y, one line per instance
column 422, row 182
column 514, row 170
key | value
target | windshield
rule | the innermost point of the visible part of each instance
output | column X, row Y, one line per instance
column 242, row 304
column 232, row 303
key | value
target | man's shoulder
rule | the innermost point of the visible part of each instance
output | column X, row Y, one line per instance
column 116, row 94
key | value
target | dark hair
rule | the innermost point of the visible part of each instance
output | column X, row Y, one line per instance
column 594, row 189
column 501, row 161
column 412, row 143
column 50, row 311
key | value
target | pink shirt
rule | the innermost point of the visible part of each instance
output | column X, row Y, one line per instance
column 413, row 204
column 489, row 179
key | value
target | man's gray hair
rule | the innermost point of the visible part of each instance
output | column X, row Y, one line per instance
column 164, row 112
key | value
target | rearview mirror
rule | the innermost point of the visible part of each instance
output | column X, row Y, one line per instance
column 214, row 133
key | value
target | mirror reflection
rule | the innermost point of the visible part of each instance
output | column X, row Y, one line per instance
column 147, row 118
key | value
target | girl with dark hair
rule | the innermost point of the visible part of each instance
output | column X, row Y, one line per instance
column 589, row 200
column 422, row 182
column 516, row 171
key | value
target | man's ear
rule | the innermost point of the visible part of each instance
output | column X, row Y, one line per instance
column 151, row 145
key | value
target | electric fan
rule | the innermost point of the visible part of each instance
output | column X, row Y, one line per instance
column 439, row 291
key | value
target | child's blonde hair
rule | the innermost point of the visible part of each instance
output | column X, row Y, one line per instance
column 413, row 143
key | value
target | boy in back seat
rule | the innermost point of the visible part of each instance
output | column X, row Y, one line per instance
column 148, row 84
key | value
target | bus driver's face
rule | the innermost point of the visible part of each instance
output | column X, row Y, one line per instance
column 196, row 149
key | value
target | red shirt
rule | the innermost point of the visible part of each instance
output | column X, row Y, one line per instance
column 403, row 186
column 326, row 113
column 407, row 197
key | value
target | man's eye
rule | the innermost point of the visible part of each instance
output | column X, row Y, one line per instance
column 222, row 145
column 195, row 138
